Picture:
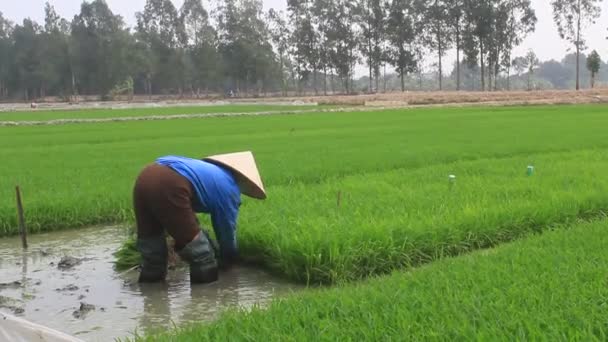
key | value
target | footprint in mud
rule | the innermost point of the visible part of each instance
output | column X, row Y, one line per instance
column 84, row 309
column 68, row 262
column 14, row 285
column 120, row 305
column 11, row 304
column 87, row 331
column 70, row 288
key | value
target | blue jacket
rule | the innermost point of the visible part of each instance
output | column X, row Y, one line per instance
column 218, row 194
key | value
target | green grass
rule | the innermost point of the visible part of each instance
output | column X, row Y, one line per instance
column 77, row 175
column 546, row 288
column 46, row 115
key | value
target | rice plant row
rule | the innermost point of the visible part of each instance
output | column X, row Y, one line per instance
column 365, row 225
column 550, row 287
column 77, row 175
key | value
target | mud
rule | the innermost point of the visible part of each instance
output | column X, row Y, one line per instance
column 84, row 309
column 15, row 284
column 96, row 303
column 68, row 262
column 70, row 287
column 11, row 305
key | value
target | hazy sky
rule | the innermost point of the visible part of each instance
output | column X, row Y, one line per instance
column 545, row 41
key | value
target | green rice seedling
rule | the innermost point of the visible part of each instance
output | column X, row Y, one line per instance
column 550, row 287
column 127, row 255
column 77, row 175
column 404, row 218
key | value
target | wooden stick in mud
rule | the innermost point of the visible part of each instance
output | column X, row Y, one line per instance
column 22, row 228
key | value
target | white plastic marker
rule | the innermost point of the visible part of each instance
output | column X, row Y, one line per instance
column 452, row 180
column 530, row 170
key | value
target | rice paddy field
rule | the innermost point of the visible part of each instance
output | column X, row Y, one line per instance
column 364, row 202
column 545, row 288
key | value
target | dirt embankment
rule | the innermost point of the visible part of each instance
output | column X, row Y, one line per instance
column 453, row 97
column 384, row 100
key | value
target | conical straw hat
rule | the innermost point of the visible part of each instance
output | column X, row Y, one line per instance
column 245, row 170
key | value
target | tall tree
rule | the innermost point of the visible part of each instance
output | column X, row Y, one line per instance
column 455, row 20
column 201, row 59
column 499, row 42
column 100, row 42
column 343, row 38
column 371, row 18
column 520, row 65
column 521, row 21
column 492, row 29
column 380, row 17
column 57, row 64
column 6, row 58
column 28, row 58
column 404, row 25
column 571, row 17
column 439, row 32
column 479, row 18
column 305, row 37
column 323, row 20
column 593, row 65
column 531, row 62
column 245, row 44
column 280, row 33
column 160, row 29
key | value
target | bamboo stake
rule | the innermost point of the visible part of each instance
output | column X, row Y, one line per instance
column 22, row 228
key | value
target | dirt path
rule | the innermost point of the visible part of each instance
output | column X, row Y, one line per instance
column 452, row 97
column 375, row 102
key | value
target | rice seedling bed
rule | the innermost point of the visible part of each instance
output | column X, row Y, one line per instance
column 76, row 175
column 550, row 287
column 404, row 218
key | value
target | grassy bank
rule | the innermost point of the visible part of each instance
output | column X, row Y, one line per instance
column 403, row 218
column 546, row 288
column 45, row 115
column 78, row 175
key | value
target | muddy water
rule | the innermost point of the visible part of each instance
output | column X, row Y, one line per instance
column 33, row 287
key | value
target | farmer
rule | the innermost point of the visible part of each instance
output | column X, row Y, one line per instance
column 168, row 194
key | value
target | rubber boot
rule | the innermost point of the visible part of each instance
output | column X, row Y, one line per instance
column 201, row 257
column 214, row 244
column 154, row 253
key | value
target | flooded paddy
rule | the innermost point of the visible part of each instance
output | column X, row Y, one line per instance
column 66, row 281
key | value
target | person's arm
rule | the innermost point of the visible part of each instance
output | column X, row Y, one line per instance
column 224, row 225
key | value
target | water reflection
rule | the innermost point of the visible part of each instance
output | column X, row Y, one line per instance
column 156, row 307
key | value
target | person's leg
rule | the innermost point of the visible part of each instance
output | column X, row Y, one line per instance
column 151, row 242
column 214, row 244
column 179, row 219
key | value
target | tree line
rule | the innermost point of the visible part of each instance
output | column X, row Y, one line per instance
column 314, row 46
